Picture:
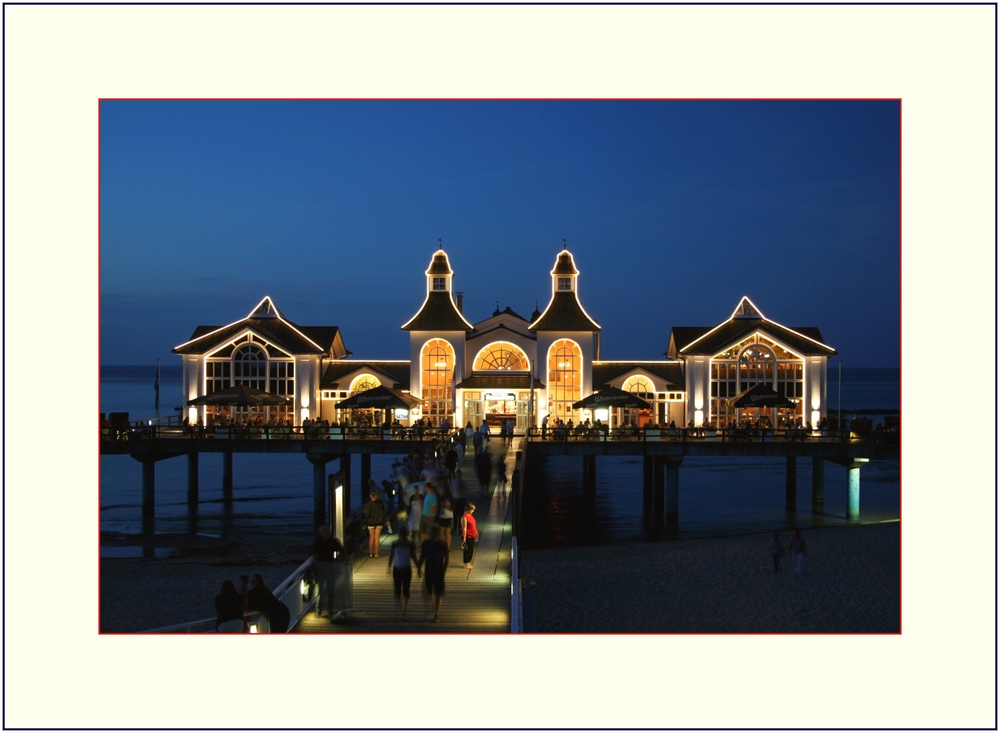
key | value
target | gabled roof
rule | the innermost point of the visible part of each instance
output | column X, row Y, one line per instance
column 670, row 371
column 501, row 327
column 438, row 313
column 266, row 321
column 745, row 320
column 393, row 374
column 564, row 313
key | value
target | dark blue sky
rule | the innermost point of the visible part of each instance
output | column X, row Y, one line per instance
column 672, row 209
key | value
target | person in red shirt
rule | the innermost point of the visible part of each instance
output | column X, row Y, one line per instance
column 469, row 535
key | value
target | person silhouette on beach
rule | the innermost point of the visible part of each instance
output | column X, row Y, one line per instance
column 777, row 551
column 798, row 549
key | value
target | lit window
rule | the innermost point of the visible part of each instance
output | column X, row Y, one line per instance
column 565, row 377
column 501, row 355
column 437, row 370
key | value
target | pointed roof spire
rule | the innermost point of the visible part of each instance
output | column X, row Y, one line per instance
column 440, row 244
column 564, row 244
column 265, row 309
column 564, row 311
column 438, row 312
column 746, row 309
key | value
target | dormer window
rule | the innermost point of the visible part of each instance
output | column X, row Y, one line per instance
column 563, row 284
column 438, row 283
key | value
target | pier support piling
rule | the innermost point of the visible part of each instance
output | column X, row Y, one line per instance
column 345, row 468
column 148, row 496
column 590, row 474
column 320, row 488
column 854, row 489
column 659, row 507
column 671, row 487
column 819, row 465
column 192, row 492
column 227, row 475
column 366, row 474
column 790, row 483
column 647, row 486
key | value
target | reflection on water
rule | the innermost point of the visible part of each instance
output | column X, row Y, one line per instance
column 717, row 496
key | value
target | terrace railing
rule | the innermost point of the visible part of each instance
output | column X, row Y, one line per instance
column 143, row 431
column 712, row 435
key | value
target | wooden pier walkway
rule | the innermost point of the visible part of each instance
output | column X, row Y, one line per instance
column 477, row 600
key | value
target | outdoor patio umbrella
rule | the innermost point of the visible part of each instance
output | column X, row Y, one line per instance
column 241, row 396
column 760, row 395
column 612, row 397
column 380, row 398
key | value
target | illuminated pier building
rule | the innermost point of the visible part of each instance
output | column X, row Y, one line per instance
column 507, row 367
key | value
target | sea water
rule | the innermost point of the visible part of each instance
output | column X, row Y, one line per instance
column 272, row 493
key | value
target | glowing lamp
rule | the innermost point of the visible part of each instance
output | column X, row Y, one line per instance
column 254, row 629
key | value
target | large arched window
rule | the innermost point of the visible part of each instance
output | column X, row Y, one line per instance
column 250, row 367
column 565, row 378
column 437, row 365
column 363, row 383
column 501, row 355
column 641, row 386
column 756, row 359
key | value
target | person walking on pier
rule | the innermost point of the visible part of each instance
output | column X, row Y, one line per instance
column 329, row 553
column 374, row 520
column 416, row 513
column 477, row 442
column 483, row 472
column 451, row 461
column 434, row 562
column 428, row 519
column 401, row 555
column 502, row 474
column 459, row 490
column 469, row 535
column 777, row 552
column 446, row 514
column 797, row 547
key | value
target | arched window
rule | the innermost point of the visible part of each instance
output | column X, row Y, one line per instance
column 565, row 379
column 250, row 367
column 363, row 383
column 756, row 366
column 437, row 365
column 640, row 386
column 501, row 355
column 756, row 359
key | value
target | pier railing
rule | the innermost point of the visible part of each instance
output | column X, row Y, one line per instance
column 140, row 431
column 712, row 435
column 296, row 591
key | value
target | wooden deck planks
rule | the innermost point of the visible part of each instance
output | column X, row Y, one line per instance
column 475, row 601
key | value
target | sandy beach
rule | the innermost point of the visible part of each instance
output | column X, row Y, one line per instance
column 725, row 584
column 138, row 594
column 851, row 583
